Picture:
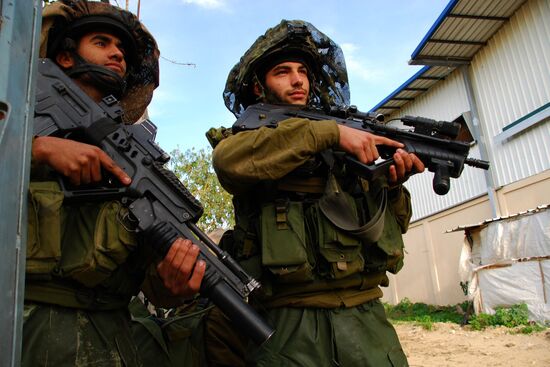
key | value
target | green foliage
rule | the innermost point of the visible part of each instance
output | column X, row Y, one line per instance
column 532, row 328
column 511, row 317
column 425, row 322
column 194, row 169
column 481, row 321
column 515, row 317
column 424, row 314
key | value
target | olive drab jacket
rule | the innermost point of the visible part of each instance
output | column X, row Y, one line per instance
column 282, row 235
column 306, row 251
column 85, row 255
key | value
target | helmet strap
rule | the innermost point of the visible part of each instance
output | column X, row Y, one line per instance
column 101, row 77
column 267, row 96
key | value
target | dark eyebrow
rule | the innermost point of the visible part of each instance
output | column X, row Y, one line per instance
column 101, row 37
column 109, row 39
column 280, row 67
column 286, row 67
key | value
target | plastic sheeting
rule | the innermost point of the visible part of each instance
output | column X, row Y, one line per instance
column 507, row 262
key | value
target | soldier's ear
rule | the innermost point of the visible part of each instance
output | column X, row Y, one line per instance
column 257, row 89
column 65, row 59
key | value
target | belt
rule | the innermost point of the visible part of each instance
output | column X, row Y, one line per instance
column 71, row 295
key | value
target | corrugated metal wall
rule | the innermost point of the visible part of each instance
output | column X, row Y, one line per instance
column 447, row 100
column 511, row 78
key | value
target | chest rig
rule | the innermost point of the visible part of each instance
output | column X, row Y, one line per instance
column 317, row 224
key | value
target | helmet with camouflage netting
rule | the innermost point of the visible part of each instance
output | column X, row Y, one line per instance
column 290, row 39
column 65, row 21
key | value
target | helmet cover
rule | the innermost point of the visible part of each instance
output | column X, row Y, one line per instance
column 290, row 40
column 74, row 18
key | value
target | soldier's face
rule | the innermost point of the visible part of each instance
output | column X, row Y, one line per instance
column 100, row 48
column 287, row 82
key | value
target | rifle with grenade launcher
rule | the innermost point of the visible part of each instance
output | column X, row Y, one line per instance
column 159, row 205
column 434, row 142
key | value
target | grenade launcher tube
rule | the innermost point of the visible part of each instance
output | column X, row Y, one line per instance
column 213, row 285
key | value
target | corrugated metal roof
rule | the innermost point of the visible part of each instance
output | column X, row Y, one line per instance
column 462, row 29
column 418, row 84
column 487, row 221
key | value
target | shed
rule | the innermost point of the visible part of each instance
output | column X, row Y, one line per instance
column 506, row 261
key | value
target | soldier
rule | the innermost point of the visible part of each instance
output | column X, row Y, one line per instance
column 83, row 261
column 321, row 283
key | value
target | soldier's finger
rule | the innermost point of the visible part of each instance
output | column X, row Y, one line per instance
column 85, row 175
column 381, row 140
column 186, row 267
column 95, row 170
column 112, row 167
column 407, row 159
column 197, row 276
column 418, row 164
column 392, row 175
column 166, row 267
column 399, row 165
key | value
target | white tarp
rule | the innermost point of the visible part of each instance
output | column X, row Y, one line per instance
column 507, row 262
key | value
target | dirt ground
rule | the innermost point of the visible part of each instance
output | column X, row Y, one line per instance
column 450, row 345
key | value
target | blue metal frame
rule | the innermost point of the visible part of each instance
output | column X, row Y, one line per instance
column 450, row 6
column 19, row 36
column 401, row 87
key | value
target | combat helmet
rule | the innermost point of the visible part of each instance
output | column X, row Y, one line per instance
column 65, row 21
column 328, row 74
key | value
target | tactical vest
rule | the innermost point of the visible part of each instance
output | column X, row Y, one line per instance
column 308, row 233
column 80, row 255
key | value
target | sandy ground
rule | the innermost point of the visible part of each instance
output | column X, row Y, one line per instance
column 451, row 345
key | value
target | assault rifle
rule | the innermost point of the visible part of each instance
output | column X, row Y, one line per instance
column 159, row 205
column 432, row 141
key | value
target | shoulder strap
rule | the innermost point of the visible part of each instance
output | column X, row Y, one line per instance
column 337, row 210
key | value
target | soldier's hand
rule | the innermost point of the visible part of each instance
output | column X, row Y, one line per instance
column 180, row 271
column 80, row 162
column 362, row 144
column 405, row 165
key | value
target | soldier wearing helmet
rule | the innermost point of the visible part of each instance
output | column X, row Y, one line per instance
column 321, row 280
column 83, row 261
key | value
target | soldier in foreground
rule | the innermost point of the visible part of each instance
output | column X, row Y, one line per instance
column 83, row 261
column 321, row 284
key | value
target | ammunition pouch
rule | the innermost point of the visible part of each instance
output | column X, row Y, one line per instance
column 45, row 220
column 283, row 241
column 299, row 244
column 316, row 234
column 85, row 242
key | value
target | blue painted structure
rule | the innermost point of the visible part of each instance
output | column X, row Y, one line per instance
column 19, row 38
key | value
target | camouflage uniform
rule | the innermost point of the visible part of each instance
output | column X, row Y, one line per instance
column 321, row 285
column 83, row 263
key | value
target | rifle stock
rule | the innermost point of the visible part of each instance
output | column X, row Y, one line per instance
column 432, row 141
column 159, row 205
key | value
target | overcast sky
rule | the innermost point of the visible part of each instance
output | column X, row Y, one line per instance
column 378, row 38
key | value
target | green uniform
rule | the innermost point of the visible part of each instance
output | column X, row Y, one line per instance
column 60, row 336
column 320, row 284
column 84, row 262
column 83, row 266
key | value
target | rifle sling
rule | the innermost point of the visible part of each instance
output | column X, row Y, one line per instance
column 99, row 129
column 337, row 210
